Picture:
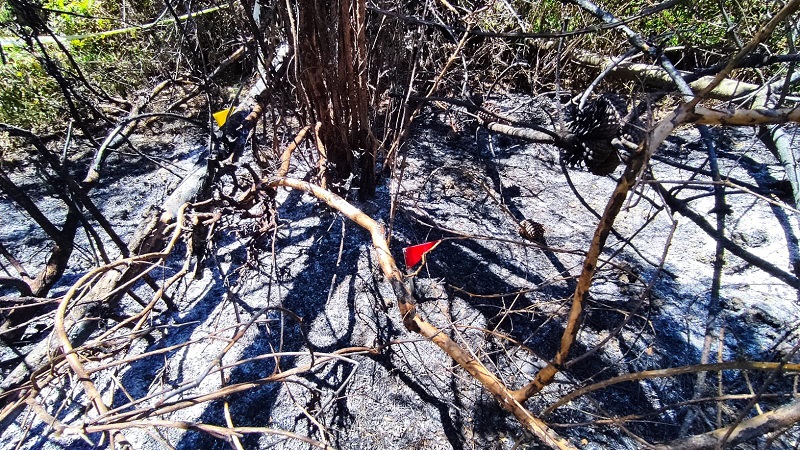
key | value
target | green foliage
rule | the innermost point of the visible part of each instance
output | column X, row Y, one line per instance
column 5, row 15
column 27, row 95
column 117, row 63
column 703, row 24
column 549, row 16
column 698, row 23
column 81, row 21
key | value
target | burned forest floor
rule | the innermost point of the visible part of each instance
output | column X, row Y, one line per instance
column 294, row 301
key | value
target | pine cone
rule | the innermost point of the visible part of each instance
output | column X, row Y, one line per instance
column 457, row 126
column 530, row 230
column 490, row 112
column 594, row 127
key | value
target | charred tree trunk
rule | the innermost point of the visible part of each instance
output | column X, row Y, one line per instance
column 330, row 44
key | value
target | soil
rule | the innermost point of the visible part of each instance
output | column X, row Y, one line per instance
column 313, row 283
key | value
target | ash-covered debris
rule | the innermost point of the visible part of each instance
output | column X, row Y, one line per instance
column 287, row 299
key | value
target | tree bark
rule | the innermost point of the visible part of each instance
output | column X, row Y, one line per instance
column 330, row 44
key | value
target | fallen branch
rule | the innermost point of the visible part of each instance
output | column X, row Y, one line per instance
column 522, row 132
column 148, row 239
column 778, row 419
column 743, row 117
column 413, row 322
column 60, row 325
column 657, row 77
column 671, row 372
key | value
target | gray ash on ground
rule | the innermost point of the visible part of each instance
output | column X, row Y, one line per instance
column 472, row 193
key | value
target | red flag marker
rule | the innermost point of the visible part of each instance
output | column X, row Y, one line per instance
column 413, row 255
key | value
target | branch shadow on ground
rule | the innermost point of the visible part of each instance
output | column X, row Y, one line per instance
column 474, row 266
column 478, row 267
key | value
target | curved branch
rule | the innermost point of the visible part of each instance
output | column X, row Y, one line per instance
column 413, row 322
column 17, row 284
column 671, row 372
column 60, row 328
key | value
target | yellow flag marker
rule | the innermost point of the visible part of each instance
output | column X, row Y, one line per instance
column 222, row 116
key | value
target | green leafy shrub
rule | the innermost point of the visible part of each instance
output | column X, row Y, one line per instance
column 28, row 97
column 118, row 63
